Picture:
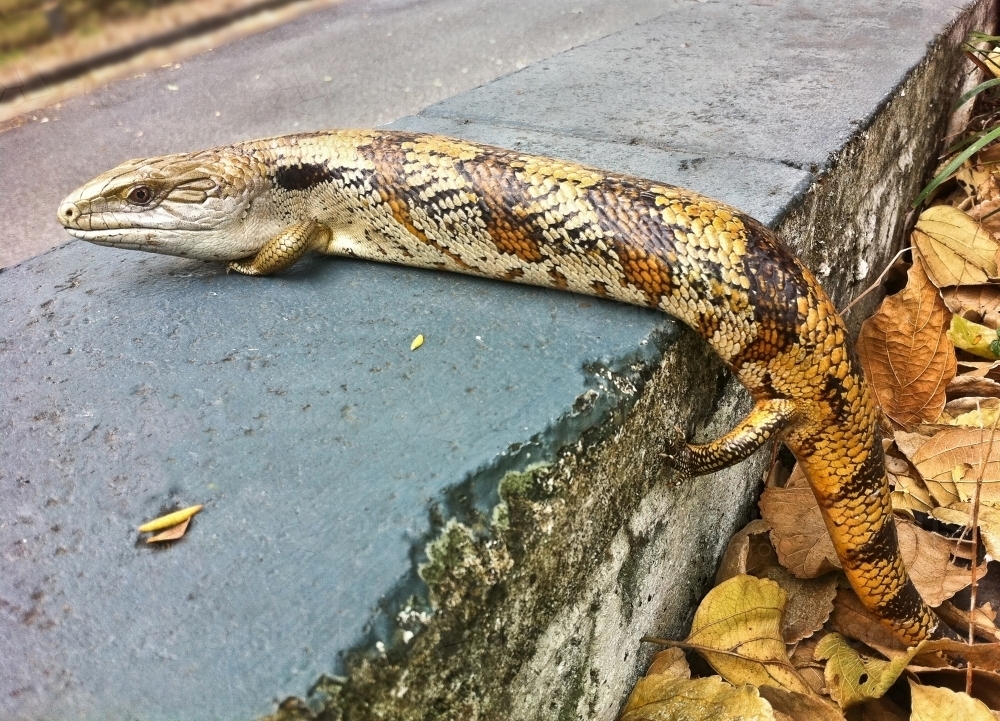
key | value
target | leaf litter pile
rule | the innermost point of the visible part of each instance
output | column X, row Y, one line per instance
column 782, row 635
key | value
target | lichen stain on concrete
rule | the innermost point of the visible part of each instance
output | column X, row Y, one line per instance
column 528, row 600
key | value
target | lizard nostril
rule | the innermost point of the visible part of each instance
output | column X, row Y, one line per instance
column 69, row 211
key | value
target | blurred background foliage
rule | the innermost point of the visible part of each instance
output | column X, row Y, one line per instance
column 27, row 23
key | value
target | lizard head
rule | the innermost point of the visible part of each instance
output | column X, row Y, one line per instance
column 193, row 205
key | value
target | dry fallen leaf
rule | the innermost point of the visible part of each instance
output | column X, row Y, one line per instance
column 853, row 678
column 927, row 557
column 172, row 533
column 951, row 459
column 905, row 353
column 980, row 303
column 809, row 604
column 989, row 523
column 955, row 248
column 851, row 619
column 737, row 629
column 671, row 663
column 908, row 492
column 798, row 706
column 748, row 551
column 974, row 338
column 983, row 656
column 798, row 532
column 659, row 698
column 968, row 384
column 808, row 667
column 985, row 685
column 931, row 703
column 171, row 519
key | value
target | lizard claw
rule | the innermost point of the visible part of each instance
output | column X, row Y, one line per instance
column 676, row 452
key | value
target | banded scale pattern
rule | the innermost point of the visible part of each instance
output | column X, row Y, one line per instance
column 434, row 202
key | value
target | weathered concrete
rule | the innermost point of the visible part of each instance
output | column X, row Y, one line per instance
column 295, row 404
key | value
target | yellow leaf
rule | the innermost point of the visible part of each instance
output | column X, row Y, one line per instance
column 956, row 249
column 417, row 342
column 905, row 353
column 853, row 678
column 171, row 519
column 737, row 628
column 933, row 703
column 662, row 698
column 972, row 337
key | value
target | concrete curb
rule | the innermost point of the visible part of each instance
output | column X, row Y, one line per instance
column 479, row 529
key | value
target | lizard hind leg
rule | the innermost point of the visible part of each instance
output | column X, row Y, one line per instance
column 766, row 420
column 282, row 250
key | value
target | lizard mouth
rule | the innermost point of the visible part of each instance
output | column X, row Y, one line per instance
column 117, row 238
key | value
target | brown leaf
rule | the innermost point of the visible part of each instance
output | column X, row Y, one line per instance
column 958, row 618
column 989, row 523
column 927, row 557
column 171, row 534
column 979, row 303
column 953, row 456
column 748, row 551
column 906, row 354
column 808, row 667
column 798, row 532
column 969, row 385
column 909, row 492
column 798, row 706
column 810, row 601
column 908, row 443
column 955, row 248
column 983, row 656
column 853, row 620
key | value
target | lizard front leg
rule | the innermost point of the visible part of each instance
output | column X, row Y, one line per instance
column 765, row 420
column 281, row 251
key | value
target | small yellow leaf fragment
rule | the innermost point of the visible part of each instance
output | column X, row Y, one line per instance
column 171, row 519
column 171, row 87
column 417, row 342
column 172, row 533
column 973, row 337
column 931, row 703
column 853, row 678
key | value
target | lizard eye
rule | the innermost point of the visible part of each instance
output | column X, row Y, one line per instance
column 140, row 195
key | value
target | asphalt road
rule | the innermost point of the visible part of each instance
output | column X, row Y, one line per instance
column 356, row 65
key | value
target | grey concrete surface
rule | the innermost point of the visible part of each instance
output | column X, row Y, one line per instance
column 357, row 65
column 295, row 410
column 293, row 406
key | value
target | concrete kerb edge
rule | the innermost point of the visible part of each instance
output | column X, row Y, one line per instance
column 536, row 600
